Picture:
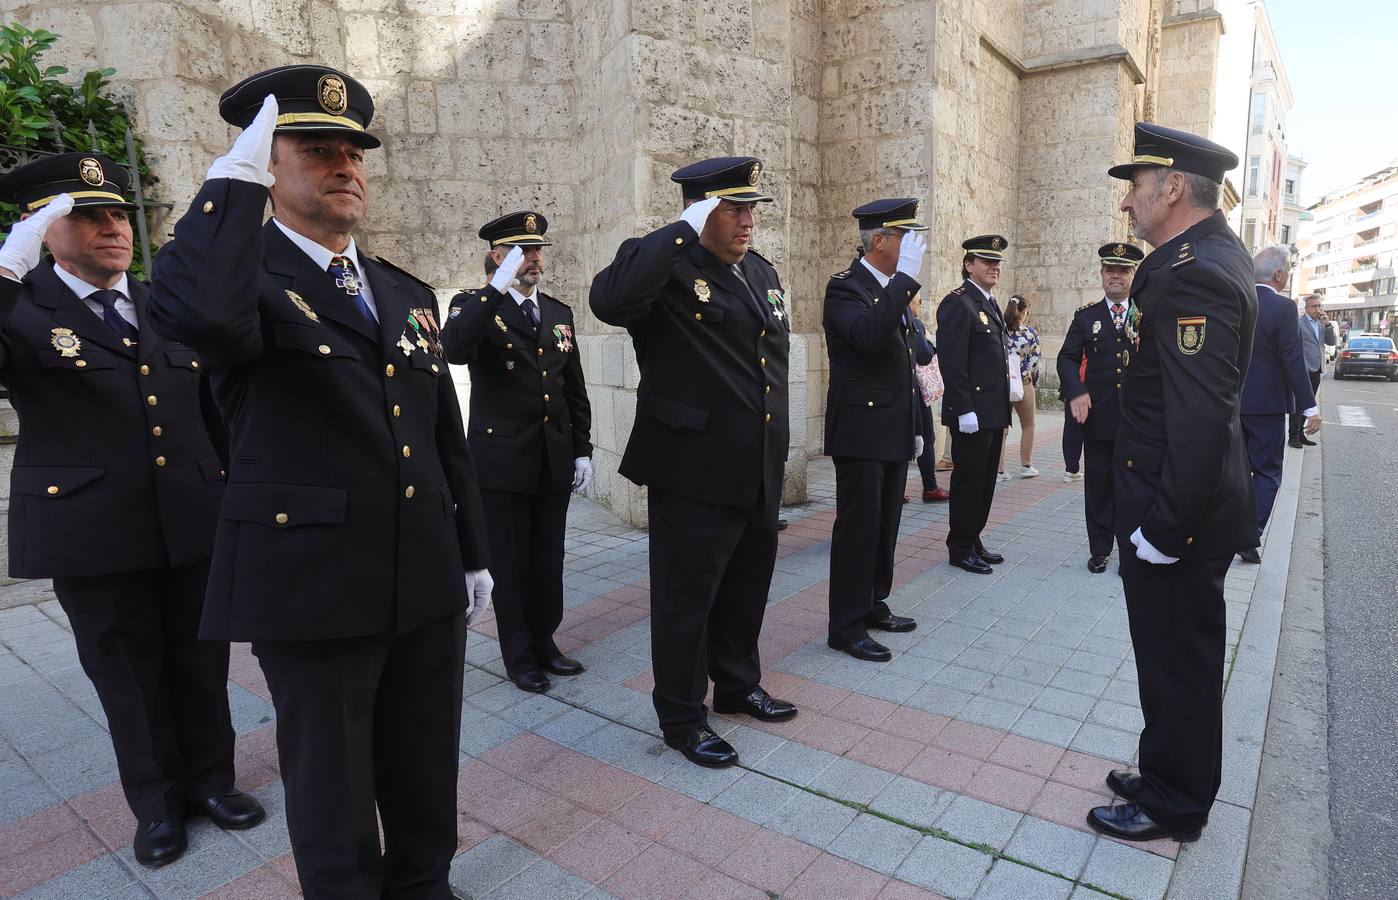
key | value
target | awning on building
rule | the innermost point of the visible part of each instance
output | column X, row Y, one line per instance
column 1382, row 301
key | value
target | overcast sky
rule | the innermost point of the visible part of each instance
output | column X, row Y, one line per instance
column 1341, row 58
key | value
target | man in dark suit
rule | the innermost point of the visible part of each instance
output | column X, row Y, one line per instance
column 711, row 327
column 1277, row 384
column 1183, row 493
column 871, row 424
column 351, row 543
column 530, row 434
column 1098, row 331
column 976, row 406
column 1317, row 333
column 115, row 492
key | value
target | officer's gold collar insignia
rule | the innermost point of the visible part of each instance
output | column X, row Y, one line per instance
column 985, row 320
column 701, row 290
column 90, row 171
column 66, row 342
column 1189, row 334
column 332, row 95
column 302, row 305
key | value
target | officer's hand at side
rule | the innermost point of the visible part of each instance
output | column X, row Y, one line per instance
column 1080, row 407
column 1313, row 424
column 910, row 253
column 1146, row 551
column 918, row 444
column 696, row 214
column 968, row 423
column 251, row 154
column 509, row 267
column 479, row 584
column 21, row 249
column 582, row 474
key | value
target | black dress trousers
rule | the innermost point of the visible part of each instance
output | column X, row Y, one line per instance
column 1097, row 495
column 868, row 508
column 976, row 461
column 526, row 549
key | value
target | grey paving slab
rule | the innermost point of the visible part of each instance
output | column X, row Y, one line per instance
column 544, row 880
column 214, row 858
column 489, row 864
column 978, row 822
column 1127, row 871
column 1051, row 846
column 951, row 870
column 852, row 781
column 796, row 763
column 1213, row 865
column 101, row 877
column 571, row 727
column 755, row 797
column 912, row 802
column 812, row 819
column 1011, row 881
column 875, row 843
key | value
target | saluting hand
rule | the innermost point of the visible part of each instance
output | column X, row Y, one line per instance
column 251, row 154
column 696, row 214
column 509, row 267
column 910, row 252
column 22, row 248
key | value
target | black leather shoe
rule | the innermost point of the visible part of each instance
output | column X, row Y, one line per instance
column 781, row 524
column 1295, row 444
column 1252, row 555
column 564, row 665
column 993, row 559
column 891, row 622
column 1129, row 823
column 532, row 681
column 704, row 748
column 1124, row 783
column 231, row 810
column 1307, row 442
column 760, row 705
column 866, row 649
column 159, row 842
column 973, row 563
column 1097, row 565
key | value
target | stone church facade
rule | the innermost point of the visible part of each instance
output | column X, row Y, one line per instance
column 1002, row 115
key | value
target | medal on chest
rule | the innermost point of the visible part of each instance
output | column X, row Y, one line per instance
column 777, row 300
column 66, row 342
column 985, row 320
column 701, row 290
column 1132, row 325
column 563, row 338
column 302, row 305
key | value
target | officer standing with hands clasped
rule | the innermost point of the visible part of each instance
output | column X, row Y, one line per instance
column 711, row 328
column 1099, row 331
column 976, row 406
column 529, row 432
column 115, row 492
column 1183, row 492
column 351, row 545
column 871, row 419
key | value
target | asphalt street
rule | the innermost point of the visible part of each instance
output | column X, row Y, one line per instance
column 1361, row 625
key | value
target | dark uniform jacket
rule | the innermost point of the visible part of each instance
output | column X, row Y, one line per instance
column 1277, row 377
column 872, row 402
column 529, row 407
column 711, row 408
column 972, row 355
column 1180, row 439
column 1108, row 354
column 352, row 506
column 115, row 470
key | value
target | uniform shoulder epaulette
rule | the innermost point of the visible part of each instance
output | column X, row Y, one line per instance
column 1184, row 257
column 959, row 290
column 404, row 272
column 752, row 252
column 1087, row 305
column 555, row 300
column 844, row 274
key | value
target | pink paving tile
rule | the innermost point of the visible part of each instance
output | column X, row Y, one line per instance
column 659, row 873
column 884, row 751
column 44, row 845
column 709, row 835
column 469, row 833
column 718, row 886
column 643, row 682
column 862, row 710
column 523, row 755
column 914, row 724
column 901, row 890
column 286, row 865
column 508, row 803
column 1009, row 788
column 556, row 822
column 786, row 729
column 605, row 790
column 1027, row 755
column 943, row 769
column 831, row 735
column 262, row 883
column 1084, row 772
column 566, row 771
column 969, row 739
column 654, row 811
column 833, row 878
column 599, row 850
column 769, row 860
column 1065, row 805
column 781, row 684
column 475, row 779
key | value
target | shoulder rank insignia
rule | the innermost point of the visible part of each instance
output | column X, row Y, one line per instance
column 959, row 290
column 701, row 290
column 1185, row 256
column 844, row 274
column 66, row 342
column 563, row 338
column 1189, row 334
column 1087, row 305
column 302, row 305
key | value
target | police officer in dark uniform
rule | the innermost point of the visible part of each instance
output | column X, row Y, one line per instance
column 1183, row 488
column 115, row 492
column 1098, row 330
column 711, row 327
column 871, row 424
column 529, row 435
column 351, row 542
column 976, row 407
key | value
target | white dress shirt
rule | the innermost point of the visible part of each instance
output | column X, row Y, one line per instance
column 882, row 278
column 124, row 307
column 520, row 298
column 322, row 256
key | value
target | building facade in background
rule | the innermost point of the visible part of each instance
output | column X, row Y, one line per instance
column 1350, row 252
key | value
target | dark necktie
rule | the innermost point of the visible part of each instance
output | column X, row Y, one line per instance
column 531, row 311
column 347, row 280
column 123, row 329
column 758, row 304
column 1117, row 310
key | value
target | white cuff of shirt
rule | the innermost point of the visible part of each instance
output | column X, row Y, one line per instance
column 1313, row 411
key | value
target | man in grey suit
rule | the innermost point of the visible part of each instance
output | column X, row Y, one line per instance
column 1317, row 333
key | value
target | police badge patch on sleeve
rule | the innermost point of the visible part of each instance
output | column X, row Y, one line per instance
column 1189, row 334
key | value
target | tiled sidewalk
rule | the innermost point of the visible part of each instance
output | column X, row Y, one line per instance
column 963, row 768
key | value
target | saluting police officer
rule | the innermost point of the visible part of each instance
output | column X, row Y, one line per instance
column 530, row 434
column 976, row 406
column 711, row 328
column 871, row 424
column 115, row 492
column 1183, row 488
column 1101, row 331
column 351, row 545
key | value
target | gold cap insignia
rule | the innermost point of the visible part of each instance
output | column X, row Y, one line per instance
column 66, row 342
column 754, row 173
column 332, row 95
column 90, row 171
column 302, row 305
column 531, row 223
column 1119, row 250
column 996, row 243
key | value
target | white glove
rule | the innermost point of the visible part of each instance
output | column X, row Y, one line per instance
column 696, row 214
column 967, row 423
column 910, row 253
column 1145, row 551
column 582, row 474
column 20, row 252
column 251, row 153
column 479, row 584
column 918, row 444
column 509, row 266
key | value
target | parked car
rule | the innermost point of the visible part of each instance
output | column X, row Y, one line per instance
column 1368, row 354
